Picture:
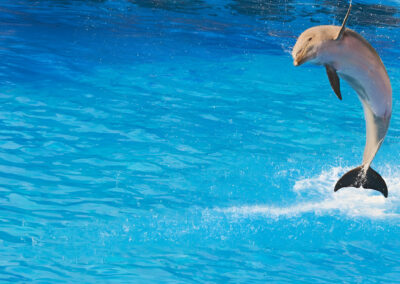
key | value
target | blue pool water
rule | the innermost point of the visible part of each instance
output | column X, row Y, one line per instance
column 150, row 141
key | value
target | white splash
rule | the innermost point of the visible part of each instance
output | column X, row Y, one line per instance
column 353, row 202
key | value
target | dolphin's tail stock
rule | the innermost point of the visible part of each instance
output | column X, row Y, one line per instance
column 367, row 179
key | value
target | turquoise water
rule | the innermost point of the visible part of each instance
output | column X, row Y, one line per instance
column 174, row 141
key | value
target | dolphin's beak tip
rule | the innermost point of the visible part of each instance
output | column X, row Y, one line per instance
column 295, row 63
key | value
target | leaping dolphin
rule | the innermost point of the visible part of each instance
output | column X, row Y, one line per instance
column 347, row 55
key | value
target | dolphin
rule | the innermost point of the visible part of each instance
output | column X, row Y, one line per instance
column 348, row 56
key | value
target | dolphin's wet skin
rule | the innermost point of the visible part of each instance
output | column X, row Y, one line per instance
column 174, row 141
column 347, row 54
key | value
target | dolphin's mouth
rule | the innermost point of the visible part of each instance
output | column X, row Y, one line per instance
column 303, row 56
column 301, row 59
column 298, row 62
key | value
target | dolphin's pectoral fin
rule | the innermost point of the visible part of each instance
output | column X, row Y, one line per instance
column 359, row 178
column 334, row 80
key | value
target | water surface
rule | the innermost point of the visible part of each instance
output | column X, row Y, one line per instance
column 174, row 141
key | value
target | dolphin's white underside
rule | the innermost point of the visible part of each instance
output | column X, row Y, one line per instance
column 358, row 64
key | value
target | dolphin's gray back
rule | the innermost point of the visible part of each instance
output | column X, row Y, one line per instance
column 357, row 36
column 364, row 70
column 367, row 75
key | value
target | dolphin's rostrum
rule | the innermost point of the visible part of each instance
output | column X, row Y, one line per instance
column 347, row 55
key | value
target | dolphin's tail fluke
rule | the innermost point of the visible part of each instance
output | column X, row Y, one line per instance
column 367, row 179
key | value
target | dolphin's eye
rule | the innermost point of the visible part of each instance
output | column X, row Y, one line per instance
column 310, row 38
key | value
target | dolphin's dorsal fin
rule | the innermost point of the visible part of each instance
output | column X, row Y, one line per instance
column 343, row 28
column 334, row 80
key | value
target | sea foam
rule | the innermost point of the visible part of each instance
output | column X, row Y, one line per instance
column 315, row 195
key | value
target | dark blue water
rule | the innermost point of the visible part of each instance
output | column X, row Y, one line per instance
column 158, row 141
